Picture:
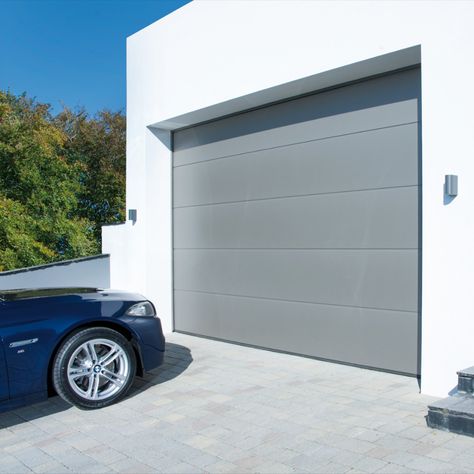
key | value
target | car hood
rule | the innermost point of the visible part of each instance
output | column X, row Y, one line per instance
column 57, row 302
column 77, row 293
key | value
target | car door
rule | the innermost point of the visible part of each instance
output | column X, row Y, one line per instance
column 3, row 375
column 4, row 386
column 24, row 334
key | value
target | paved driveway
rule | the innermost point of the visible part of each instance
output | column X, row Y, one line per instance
column 217, row 407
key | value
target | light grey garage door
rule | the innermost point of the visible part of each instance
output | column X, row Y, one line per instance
column 296, row 226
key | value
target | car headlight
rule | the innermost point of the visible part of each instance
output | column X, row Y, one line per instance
column 145, row 308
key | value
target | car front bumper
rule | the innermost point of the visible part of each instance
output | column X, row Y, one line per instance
column 149, row 340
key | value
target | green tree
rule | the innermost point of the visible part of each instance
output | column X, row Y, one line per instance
column 40, row 188
column 18, row 246
column 97, row 146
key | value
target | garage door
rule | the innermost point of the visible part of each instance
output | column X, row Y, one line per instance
column 296, row 226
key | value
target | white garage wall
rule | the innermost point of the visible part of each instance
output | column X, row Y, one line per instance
column 92, row 272
column 207, row 53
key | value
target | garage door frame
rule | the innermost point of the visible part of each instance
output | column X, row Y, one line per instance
column 289, row 99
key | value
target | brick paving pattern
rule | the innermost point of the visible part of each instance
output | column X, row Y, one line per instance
column 216, row 407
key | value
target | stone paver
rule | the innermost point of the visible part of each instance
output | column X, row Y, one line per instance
column 221, row 408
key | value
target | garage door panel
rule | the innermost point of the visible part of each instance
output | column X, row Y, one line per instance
column 374, row 103
column 384, row 279
column 384, row 218
column 296, row 226
column 328, row 332
column 348, row 123
column 373, row 159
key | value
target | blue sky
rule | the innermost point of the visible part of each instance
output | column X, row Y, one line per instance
column 72, row 52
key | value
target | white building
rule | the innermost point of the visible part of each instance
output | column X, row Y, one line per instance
column 287, row 162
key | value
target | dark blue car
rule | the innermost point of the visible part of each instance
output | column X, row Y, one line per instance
column 85, row 344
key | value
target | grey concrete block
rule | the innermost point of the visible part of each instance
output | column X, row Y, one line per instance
column 454, row 414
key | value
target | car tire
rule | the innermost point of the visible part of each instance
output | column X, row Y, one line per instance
column 94, row 368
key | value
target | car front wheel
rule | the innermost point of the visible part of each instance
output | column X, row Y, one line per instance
column 94, row 368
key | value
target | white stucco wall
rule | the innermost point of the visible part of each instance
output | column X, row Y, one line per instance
column 92, row 272
column 209, row 53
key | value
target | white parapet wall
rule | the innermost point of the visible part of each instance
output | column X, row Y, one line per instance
column 92, row 272
column 224, row 56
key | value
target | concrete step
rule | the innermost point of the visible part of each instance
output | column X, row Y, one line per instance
column 466, row 381
column 454, row 414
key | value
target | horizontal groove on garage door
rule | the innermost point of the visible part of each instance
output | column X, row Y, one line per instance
column 373, row 104
column 291, row 301
column 271, row 148
column 295, row 196
column 382, row 158
column 385, row 279
column 370, row 219
column 296, row 226
column 341, row 333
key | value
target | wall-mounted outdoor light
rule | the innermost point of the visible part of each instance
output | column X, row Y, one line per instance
column 451, row 185
column 132, row 215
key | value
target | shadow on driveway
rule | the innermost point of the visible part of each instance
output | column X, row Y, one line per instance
column 177, row 359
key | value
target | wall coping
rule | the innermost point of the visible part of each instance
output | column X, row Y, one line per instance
column 54, row 264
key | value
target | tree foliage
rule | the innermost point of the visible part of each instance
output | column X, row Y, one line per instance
column 97, row 145
column 61, row 178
